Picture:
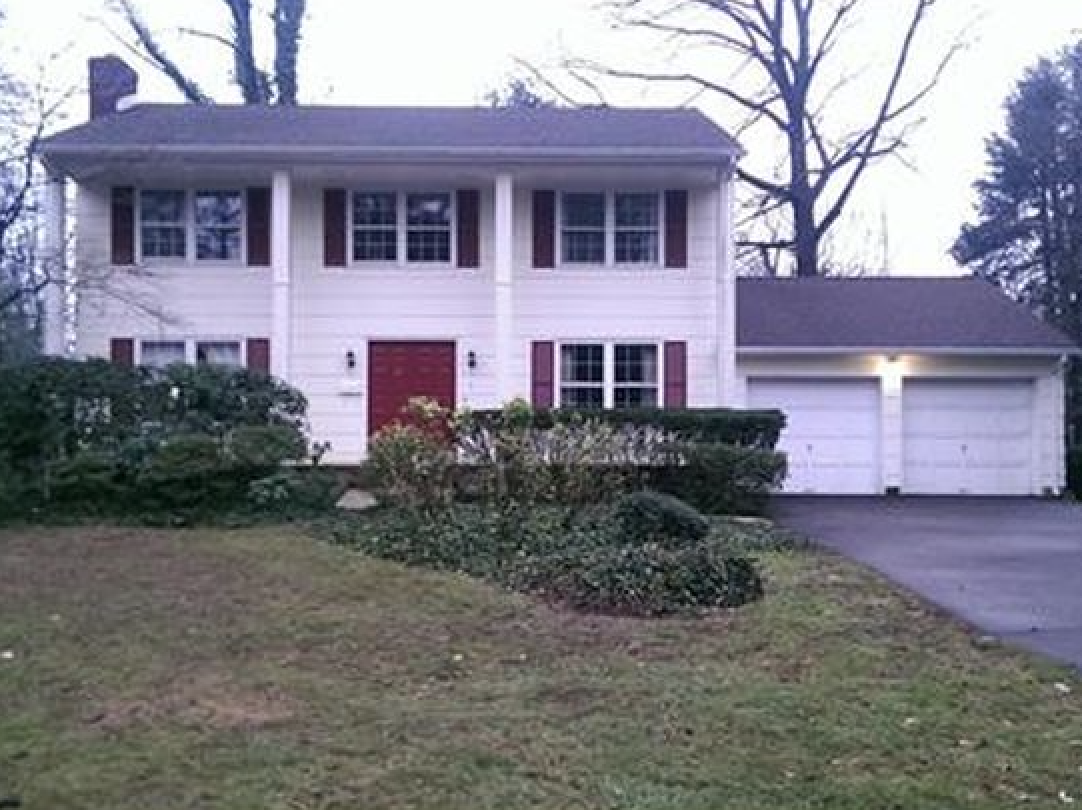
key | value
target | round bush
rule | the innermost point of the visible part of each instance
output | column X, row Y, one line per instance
column 652, row 517
column 653, row 581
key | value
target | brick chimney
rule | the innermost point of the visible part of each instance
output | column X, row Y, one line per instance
column 110, row 80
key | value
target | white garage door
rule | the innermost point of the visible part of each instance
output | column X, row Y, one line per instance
column 968, row 437
column 832, row 433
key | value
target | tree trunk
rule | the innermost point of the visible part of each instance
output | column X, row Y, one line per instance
column 805, row 239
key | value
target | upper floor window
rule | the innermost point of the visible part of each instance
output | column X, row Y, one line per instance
column 163, row 224
column 604, row 228
column 218, row 216
column 375, row 227
column 428, row 227
column 637, row 223
column 416, row 226
column 170, row 219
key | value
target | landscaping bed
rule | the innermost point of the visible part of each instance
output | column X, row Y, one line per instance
column 262, row 668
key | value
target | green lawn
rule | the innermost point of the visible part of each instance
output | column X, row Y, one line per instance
column 262, row 669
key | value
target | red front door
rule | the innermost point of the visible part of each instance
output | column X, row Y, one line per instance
column 398, row 371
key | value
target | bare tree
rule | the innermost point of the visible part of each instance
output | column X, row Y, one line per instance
column 258, row 85
column 789, row 63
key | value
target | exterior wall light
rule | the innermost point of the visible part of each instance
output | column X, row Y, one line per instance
column 351, row 360
column 471, row 360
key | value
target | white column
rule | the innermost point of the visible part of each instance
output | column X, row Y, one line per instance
column 504, row 264
column 891, row 428
column 729, row 393
column 281, row 275
column 54, row 265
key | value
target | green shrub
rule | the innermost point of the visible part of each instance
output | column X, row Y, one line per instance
column 1074, row 471
column 92, row 480
column 744, row 428
column 189, row 472
column 653, row 581
column 721, row 479
column 266, row 447
column 652, row 517
column 301, row 491
column 410, row 467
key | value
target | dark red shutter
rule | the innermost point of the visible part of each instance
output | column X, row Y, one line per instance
column 544, row 229
column 334, row 227
column 122, row 226
column 543, row 374
column 468, row 205
column 122, row 351
column 676, row 374
column 259, row 227
column 259, row 355
column 676, row 229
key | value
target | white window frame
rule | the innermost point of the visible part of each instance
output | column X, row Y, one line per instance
column 182, row 224
column 610, row 230
column 191, row 346
column 402, row 229
column 608, row 375
column 189, row 258
column 353, row 227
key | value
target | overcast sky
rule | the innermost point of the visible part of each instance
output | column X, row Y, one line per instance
column 454, row 51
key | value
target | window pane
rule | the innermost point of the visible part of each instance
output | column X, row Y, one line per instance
column 586, row 247
column 161, row 353
column 636, row 247
column 162, row 242
column 584, row 210
column 374, row 208
column 636, row 210
column 428, row 209
column 218, row 353
column 217, row 243
column 584, row 364
column 160, row 207
column 635, row 398
column 375, row 244
column 572, row 397
column 635, row 364
column 427, row 245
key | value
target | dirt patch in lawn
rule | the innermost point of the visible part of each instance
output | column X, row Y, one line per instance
column 213, row 702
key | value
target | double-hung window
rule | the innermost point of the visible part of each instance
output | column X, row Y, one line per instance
column 428, row 227
column 637, row 231
column 218, row 353
column 375, row 227
column 582, row 228
column 597, row 375
column 161, row 354
column 218, row 218
column 163, row 224
column 582, row 376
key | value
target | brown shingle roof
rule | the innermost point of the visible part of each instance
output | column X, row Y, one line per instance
column 950, row 314
column 450, row 131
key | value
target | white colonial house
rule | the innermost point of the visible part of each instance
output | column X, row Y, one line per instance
column 570, row 257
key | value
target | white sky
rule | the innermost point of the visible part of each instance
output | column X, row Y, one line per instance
column 454, row 51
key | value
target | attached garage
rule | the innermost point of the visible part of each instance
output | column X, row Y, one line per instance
column 968, row 437
column 920, row 386
column 831, row 438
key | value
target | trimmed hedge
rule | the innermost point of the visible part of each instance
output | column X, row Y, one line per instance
column 743, row 428
column 1074, row 471
column 721, row 479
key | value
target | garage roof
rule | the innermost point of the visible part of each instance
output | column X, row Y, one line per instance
column 467, row 132
column 850, row 314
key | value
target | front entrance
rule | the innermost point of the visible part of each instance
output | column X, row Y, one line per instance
column 399, row 371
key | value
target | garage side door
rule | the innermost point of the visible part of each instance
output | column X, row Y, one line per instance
column 398, row 371
column 968, row 437
column 832, row 433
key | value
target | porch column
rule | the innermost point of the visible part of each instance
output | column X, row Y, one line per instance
column 281, row 275
column 54, row 267
column 504, row 232
column 725, row 296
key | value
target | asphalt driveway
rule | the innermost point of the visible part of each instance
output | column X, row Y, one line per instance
column 1011, row 567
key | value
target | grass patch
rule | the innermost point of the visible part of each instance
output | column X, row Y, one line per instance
column 263, row 669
